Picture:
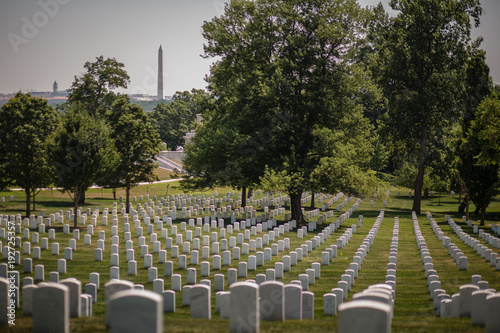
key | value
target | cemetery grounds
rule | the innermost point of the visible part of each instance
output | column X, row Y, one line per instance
column 413, row 310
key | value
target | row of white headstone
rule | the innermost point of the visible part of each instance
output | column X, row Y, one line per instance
column 245, row 305
column 433, row 282
column 456, row 254
column 482, row 250
column 2, row 199
column 481, row 305
column 333, row 299
column 372, row 309
column 474, row 300
column 50, row 304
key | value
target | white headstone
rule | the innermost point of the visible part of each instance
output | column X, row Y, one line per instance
column 478, row 307
column 75, row 288
column 51, row 308
column 272, row 305
column 168, row 301
column 307, row 305
column 329, row 304
column 492, row 318
column 135, row 311
column 465, row 299
column 200, row 303
column 27, row 294
column 364, row 316
column 293, row 301
column 244, row 315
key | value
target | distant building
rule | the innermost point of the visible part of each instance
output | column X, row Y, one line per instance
column 54, row 88
column 42, row 94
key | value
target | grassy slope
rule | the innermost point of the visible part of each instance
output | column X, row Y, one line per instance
column 413, row 308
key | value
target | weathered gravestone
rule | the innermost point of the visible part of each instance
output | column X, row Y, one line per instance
column 272, row 297
column 465, row 299
column 27, row 294
column 244, row 315
column 307, row 305
column 5, row 305
column 329, row 304
column 168, row 301
column 135, row 311
column 75, row 288
column 478, row 307
column 492, row 318
column 51, row 308
column 200, row 302
column 364, row 316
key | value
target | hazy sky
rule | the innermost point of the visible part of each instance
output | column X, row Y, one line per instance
column 46, row 40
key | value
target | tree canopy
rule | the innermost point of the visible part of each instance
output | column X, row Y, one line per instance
column 282, row 77
column 136, row 143
column 94, row 88
column 82, row 152
column 424, row 63
column 479, row 156
column 25, row 124
column 174, row 119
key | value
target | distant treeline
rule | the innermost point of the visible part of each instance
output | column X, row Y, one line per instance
column 145, row 105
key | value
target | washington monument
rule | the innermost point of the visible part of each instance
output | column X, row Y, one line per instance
column 160, row 73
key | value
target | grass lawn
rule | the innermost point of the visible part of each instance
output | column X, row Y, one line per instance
column 413, row 310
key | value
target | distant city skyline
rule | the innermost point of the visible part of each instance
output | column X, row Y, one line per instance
column 42, row 41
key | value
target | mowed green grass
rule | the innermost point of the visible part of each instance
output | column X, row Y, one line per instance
column 413, row 308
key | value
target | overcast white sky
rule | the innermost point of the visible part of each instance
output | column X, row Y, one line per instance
column 42, row 41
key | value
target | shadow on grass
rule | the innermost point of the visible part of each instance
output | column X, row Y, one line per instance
column 52, row 203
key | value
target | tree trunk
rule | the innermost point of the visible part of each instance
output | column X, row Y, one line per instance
column 250, row 192
column 483, row 211
column 34, row 204
column 27, row 191
column 296, row 208
column 419, row 182
column 243, row 196
column 127, row 200
column 313, row 204
column 114, row 193
column 467, row 201
column 76, row 199
column 81, row 197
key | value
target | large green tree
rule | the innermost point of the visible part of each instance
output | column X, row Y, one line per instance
column 174, row 119
column 283, row 75
column 479, row 156
column 82, row 152
column 136, row 143
column 214, row 158
column 25, row 124
column 94, row 88
column 478, row 87
column 425, row 59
